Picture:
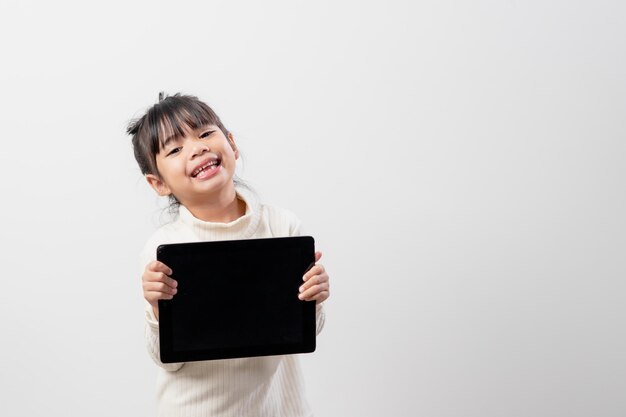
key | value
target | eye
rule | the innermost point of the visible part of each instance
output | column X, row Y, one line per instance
column 174, row 151
column 206, row 134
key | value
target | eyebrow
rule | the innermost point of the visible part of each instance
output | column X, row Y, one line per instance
column 172, row 138
column 169, row 140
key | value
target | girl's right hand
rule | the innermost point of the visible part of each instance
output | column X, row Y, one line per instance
column 157, row 284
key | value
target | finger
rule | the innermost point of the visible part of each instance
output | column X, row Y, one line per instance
column 314, row 280
column 309, row 293
column 160, row 277
column 308, row 284
column 154, row 296
column 316, row 270
column 167, row 280
column 321, row 297
column 318, row 256
column 154, row 286
column 157, row 266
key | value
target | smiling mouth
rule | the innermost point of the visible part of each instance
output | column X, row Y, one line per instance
column 210, row 165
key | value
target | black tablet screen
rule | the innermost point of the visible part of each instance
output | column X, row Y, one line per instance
column 236, row 298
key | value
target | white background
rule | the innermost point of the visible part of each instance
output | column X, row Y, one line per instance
column 461, row 165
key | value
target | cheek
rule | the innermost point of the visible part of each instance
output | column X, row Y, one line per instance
column 229, row 157
column 170, row 170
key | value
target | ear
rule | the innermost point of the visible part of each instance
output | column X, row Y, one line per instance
column 231, row 140
column 158, row 185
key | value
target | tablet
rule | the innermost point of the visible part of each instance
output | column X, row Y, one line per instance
column 237, row 298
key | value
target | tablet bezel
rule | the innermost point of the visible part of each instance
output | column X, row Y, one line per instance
column 166, row 253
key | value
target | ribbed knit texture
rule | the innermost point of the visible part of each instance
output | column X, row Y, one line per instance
column 270, row 386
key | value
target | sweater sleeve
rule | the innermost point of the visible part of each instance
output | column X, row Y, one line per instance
column 152, row 324
column 320, row 318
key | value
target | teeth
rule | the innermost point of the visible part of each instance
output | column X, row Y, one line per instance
column 211, row 165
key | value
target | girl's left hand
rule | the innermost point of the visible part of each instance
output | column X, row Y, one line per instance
column 316, row 286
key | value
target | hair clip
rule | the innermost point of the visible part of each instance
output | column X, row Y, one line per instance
column 161, row 96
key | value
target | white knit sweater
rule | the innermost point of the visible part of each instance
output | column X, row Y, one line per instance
column 269, row 386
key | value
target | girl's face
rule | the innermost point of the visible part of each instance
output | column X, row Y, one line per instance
column 199, row 165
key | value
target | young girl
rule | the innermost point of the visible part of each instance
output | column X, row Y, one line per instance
column 187, row 154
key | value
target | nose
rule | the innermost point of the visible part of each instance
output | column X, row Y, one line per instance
column 198, row 147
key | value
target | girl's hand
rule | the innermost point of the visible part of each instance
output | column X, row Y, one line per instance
column 316, row 286
column 157, row 284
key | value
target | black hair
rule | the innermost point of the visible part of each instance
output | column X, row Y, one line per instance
column 172, row 116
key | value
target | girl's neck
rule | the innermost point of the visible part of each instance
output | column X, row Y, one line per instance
column 223, row 209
